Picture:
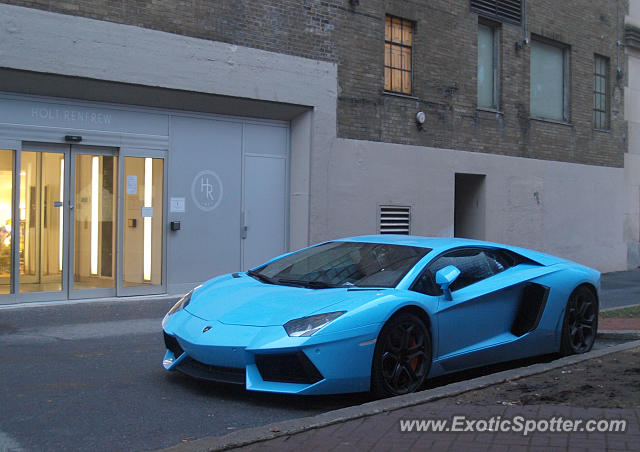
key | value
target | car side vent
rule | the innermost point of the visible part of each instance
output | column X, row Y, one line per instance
column 506, row 10
column 395, row 220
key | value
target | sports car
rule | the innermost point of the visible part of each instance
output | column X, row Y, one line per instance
column 381, row 314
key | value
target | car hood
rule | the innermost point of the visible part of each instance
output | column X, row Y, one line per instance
column 246, row 301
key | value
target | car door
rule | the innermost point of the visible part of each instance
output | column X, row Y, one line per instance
column 481, row 312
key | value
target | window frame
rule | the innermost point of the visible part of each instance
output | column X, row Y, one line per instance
column 605, row 93
column 496, row 30
column 566, row 80
column 391, row 43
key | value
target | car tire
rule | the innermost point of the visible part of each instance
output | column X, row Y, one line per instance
column 402, row 356
column 580, row 324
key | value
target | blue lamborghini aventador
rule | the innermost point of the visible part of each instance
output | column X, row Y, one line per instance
column 381, row 314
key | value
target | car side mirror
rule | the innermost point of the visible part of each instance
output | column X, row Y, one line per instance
column 445, row 277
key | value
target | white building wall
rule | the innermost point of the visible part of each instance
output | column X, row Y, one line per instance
column 569, row 210
column 632, row 157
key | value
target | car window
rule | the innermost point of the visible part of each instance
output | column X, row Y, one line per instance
column 475, row 264
column 336, row 264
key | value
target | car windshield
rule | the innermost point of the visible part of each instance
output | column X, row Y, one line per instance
column 342, row 264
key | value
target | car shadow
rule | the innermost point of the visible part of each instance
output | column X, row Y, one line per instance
column 314, row 404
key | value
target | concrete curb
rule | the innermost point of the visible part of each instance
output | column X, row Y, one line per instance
column 50, row 304
column 291, row 427
column 624, row 335
column 617, row 308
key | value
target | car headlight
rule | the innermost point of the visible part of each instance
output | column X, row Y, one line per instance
column 181, row 304
column 306, row 326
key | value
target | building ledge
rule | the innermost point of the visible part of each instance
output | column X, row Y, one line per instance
column 551, row 121
column 632, row 36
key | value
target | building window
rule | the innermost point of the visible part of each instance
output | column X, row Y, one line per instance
column 504, row 10
column 488, row 72
column 398, row 41
column 600, row 88
column 549, row 81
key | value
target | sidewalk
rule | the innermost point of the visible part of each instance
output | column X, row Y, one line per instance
column 618, row 324
column 601, row 385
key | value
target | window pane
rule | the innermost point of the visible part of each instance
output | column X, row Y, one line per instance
column 387, row 29
column 396, row 82
column 406, row 82
column 94, row 233
column 41, row 221
column 397, row 30
column 406, row 59
column 485, row 67
column 547, row 81
column 396, row 57
column 6, row 213
column 407, row 33
column 601, row 113
column 142, row 236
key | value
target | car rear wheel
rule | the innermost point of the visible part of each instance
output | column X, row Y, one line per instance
column 402, row 356
column 580, row 322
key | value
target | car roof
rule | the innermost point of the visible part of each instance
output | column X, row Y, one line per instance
column 441, row 244
column 434, row 243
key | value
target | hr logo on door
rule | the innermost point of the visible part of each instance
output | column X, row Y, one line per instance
column 206, row 190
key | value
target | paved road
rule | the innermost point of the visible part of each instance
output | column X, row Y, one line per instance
column 620, row 289
column 89, row 377
column 72, row 381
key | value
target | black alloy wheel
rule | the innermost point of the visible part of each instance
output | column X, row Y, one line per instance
column 580, row 324
column 402, row 356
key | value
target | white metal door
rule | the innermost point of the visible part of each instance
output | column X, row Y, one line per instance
column 265, row 204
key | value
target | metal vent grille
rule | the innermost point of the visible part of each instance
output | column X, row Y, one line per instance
column 507, row 10
column 395, row 220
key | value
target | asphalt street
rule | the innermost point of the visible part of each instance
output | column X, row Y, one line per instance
column 88, row 376
column 73, row 381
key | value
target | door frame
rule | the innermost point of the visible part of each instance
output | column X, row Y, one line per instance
column 57, row 148
column 76, row 149
column 69, row 151
column 140, row 290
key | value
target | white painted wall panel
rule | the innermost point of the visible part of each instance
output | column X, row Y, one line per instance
column 574, row 211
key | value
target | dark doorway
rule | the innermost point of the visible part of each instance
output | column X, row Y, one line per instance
column 469, row 209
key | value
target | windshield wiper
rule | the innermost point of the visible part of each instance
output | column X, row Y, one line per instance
column 307, row 284
column 261, row 277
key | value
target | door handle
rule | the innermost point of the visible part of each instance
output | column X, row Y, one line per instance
column 244, row 227
column 57, row 203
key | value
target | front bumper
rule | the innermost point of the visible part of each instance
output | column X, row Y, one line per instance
column 267, row 359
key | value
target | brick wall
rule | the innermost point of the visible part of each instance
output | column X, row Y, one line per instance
column 445, row 61
column 295, row 27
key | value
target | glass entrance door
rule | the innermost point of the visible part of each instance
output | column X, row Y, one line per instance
column 81, row 222
column 142, row 226
column 41, row 221
column 93, row 207
column 67, row 200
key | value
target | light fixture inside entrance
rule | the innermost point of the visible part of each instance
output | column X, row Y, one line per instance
column 148, row 187
column 95, row 193
column 61, row 216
